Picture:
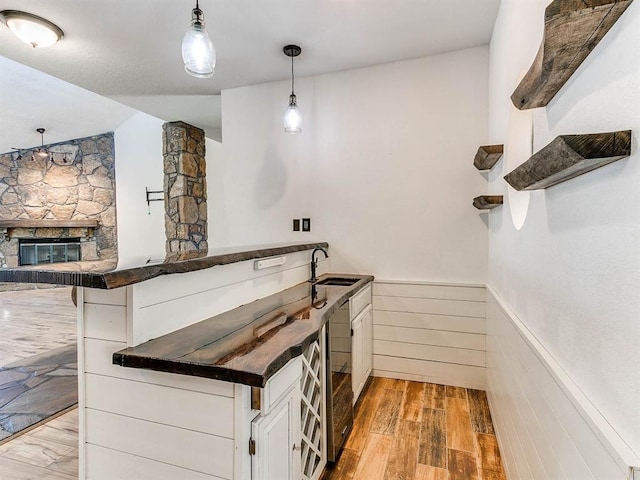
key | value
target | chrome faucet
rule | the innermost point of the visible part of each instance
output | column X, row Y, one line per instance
column 314, row 262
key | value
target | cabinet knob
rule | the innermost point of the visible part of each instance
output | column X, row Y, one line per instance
column 297, row 447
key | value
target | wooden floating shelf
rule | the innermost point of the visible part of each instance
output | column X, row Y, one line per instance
column 487, row 156
column 569, row 156
column 572, row 29
column 487, row 202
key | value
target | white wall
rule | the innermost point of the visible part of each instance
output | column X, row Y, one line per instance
column 383, row 167
column 571, row 273
column 263, row 173
column 139, row 164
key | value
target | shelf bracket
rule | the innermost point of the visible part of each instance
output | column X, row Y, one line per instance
column 152, row 196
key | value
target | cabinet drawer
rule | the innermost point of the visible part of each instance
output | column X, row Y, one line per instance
column 280, row 384
column 359, row 301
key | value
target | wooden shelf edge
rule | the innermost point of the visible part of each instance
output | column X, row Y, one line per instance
column 487, row 156
column 30, row 223
column 568, row 156
column 487, row 202
column 572, row 29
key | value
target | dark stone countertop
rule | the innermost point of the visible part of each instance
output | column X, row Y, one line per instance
column 248, row 344
column 107, row 274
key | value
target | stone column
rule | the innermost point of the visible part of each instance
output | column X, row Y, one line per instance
column 185, row 188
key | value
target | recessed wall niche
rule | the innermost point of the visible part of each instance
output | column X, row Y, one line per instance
column 75, row 182
column 518, row 148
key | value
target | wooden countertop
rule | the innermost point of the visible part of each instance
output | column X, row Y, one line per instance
column 250, row 343
column 107, row 274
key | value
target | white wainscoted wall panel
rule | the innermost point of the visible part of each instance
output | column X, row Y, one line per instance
column 161, row 307
column 124, row 434
column 430, row 332
column 546, row 428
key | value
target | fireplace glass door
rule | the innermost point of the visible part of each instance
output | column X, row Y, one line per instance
column 37, row 252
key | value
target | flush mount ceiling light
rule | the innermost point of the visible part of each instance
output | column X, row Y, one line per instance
column 198, row 53
column 292, row 117
column 31, row 29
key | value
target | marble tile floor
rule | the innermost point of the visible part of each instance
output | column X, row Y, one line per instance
column 48, row 452
column 34, row 322
column 38, row 370
column 36, row 388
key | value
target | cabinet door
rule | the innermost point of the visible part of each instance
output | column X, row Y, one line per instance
column 277, row 442
column 357, row 368
column 367, row 351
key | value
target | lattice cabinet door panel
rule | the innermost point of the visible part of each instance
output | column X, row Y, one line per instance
column 312, row 411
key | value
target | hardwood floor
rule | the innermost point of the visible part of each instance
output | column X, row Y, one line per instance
column 48, row 452
column 415, row 431
column 35, row 321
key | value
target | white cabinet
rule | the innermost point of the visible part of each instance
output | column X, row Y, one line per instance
column 362, row 340
column 276, row 441
column 357, row 345
column 275, row 431
column 288, row 431
column 367, row 328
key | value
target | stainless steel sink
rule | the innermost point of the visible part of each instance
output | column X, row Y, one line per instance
column 338, row 281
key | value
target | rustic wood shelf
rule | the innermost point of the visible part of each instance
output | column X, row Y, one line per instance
column 569, row 156
column 86, row 223
column 487, row 202
column 487, row 156
column 572, row 29
column 7, row 225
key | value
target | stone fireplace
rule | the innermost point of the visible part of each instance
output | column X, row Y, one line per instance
column 68, row 195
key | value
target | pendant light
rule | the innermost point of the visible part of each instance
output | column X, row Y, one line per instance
column 198, row 53
column 41, row 152
column 292, row 117
column 31, row 29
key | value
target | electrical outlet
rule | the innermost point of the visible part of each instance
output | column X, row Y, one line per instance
column 306, row 224
column 296, row 224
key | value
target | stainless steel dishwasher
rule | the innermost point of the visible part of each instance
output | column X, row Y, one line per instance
column 339, row 389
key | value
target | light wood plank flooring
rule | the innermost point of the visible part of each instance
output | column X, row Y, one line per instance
column 34, row 322
column 48, row 452
column 415, row 431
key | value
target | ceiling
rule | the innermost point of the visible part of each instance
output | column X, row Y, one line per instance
column 130, row 50
column 31, row 99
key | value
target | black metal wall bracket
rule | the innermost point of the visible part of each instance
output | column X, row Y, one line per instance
column 150, row 194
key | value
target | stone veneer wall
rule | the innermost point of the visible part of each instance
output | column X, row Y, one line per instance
column 185, row 188
column 80, row 187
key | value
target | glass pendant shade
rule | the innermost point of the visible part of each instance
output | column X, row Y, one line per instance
column 31, row 29
column 292, row 117
column 198, row 53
